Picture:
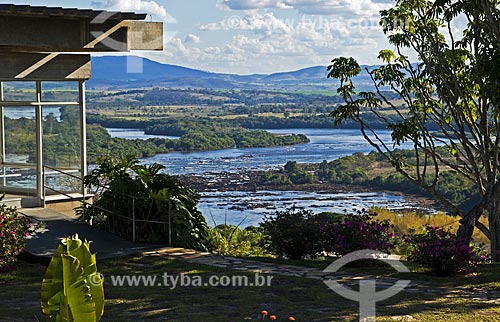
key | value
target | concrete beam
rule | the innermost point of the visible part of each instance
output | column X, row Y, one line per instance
column 62, row 34
column 47, row 67
column 145, row 35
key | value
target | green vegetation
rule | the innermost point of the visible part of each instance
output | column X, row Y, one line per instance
column 100, row 144
column 295, row 233
column 62, row 138
column 164, row 209
column 204, row 134
column 292, row 173
column 72, row 289
column 374, row 171
column 137, row 98
column 229, row 240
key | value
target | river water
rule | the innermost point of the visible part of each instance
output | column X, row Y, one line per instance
column 326, row 144
column 249, row 208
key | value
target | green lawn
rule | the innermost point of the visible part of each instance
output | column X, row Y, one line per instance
column 305, row 299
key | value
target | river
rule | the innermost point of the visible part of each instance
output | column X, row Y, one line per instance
column 325, row 144
column 248, row 208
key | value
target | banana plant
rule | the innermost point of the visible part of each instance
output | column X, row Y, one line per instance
column 72, row 289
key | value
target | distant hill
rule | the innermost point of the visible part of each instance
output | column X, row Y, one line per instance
column 124, row 72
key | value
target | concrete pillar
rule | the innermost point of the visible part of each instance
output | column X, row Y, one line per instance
column 2, row 134
column 83, row 134
column 40, row 193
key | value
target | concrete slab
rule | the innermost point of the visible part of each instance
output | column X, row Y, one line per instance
column 58, row 226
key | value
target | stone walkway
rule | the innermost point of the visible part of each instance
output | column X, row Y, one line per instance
column 233, row 263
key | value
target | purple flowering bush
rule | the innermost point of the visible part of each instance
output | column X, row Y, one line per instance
column 356, row 232
column 299, row 233
column 14, row 229
column 442, row 252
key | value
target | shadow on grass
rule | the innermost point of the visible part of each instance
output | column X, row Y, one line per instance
column 305, row 299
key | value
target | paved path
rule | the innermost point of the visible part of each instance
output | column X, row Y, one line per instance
column 58, row 226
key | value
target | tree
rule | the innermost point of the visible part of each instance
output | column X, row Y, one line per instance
column 452, row 99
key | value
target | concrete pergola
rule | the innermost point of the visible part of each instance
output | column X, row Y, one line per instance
column 40, row 45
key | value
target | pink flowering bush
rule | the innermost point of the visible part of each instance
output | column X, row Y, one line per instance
column 356, row 232
column 14, row 229
column 442, row 252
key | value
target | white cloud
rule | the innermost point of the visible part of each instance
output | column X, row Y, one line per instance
column 250, row 4
column 260, row 22
column 313, row 7
column 141, row 6
column 210, row 26
column 254, row 38
column 190, row 38
column 338, row 7
column 260, row 41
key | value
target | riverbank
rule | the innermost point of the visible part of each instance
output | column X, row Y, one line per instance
column 232, row 189
column 251, row 182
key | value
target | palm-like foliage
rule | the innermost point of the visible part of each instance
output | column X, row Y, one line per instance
column 164, row 209
column 72, row 289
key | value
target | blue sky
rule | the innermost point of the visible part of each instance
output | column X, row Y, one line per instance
column 255, row 36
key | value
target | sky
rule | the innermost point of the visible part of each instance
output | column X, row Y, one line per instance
column 255, row 36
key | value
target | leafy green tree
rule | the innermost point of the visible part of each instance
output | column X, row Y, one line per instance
column 455, row 88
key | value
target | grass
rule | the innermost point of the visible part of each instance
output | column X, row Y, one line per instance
column 305, row 299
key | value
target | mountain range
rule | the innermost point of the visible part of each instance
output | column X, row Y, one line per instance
column 110, row 72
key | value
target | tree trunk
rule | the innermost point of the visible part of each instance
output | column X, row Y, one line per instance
column 466, row 227
column 467, row 223
column 494, row 223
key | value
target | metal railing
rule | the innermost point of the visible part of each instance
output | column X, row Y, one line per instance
column 85, row 196
column 67, row 172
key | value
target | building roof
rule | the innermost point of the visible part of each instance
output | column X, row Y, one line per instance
column 40, row 11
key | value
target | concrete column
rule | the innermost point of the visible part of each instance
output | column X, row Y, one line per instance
column 83, row 133
column 40, row 193
column 2, row 134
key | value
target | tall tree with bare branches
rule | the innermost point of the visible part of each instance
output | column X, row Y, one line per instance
column 454, row 87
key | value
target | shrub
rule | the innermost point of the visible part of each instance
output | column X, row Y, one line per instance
column 14, row 229
column 229, row 240
column 162, row 205
column 293, row 233
column 442, row 252
column 300, row 233
column 356, row 232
